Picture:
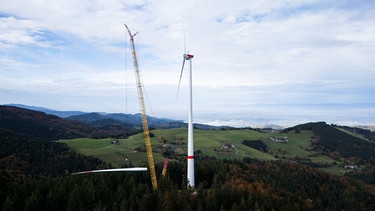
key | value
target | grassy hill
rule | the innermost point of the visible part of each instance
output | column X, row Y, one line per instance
column 329, row 147
column 309, row 144
column 207, row 143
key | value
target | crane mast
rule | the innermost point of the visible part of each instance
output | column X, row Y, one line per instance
column 146, row 131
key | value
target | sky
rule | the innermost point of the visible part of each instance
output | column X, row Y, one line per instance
column 255, row 62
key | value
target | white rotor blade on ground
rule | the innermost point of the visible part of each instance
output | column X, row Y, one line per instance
column 111, row 170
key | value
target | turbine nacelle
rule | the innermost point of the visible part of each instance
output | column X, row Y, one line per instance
column 188, row 56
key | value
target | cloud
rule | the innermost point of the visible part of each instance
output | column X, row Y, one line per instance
column 14, row 32
column 246, row 53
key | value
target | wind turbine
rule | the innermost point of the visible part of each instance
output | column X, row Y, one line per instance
column 190, row 157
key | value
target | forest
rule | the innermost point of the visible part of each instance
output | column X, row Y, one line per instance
column 330, row 140
column 35, row 174
column 222, row 185
column 44, row 127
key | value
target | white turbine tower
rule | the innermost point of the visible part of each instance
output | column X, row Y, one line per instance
column 190, row 157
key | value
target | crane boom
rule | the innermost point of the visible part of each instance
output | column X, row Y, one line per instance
column 146, row 131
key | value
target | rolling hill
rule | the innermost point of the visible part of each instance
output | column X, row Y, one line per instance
column 98, row 119
column 337, row 141
column 101, row 118
column 237, row 169
column 41, row 126
column 316, row 144
column 313, row 144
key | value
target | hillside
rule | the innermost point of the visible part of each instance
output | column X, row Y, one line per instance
column 317, row 145
column 27, row 152
column 26, row 140
column 41, row 126
column 330, row 140
column 222, row 185
column 21, row 157
column 236, row 169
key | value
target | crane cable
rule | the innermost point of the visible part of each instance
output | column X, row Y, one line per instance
column 126, row 98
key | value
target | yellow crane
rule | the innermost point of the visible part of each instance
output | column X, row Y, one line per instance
column 146, row 131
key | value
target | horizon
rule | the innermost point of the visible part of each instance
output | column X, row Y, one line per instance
column 254, row 62
column 252, row 120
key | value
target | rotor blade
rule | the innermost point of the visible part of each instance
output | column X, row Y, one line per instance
column 182, row 70
column 184, row 39
column 112, row 170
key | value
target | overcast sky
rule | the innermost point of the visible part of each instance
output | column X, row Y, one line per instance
column 281, row 62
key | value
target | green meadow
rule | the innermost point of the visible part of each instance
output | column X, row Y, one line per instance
column 207, row 142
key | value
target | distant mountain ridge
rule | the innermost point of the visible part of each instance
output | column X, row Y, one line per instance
column 99, row 119
column 102, row 118
column 37, row 125
column 62, row 114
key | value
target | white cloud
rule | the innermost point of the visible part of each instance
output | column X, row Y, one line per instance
column 15, row 32
column 245, row 52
